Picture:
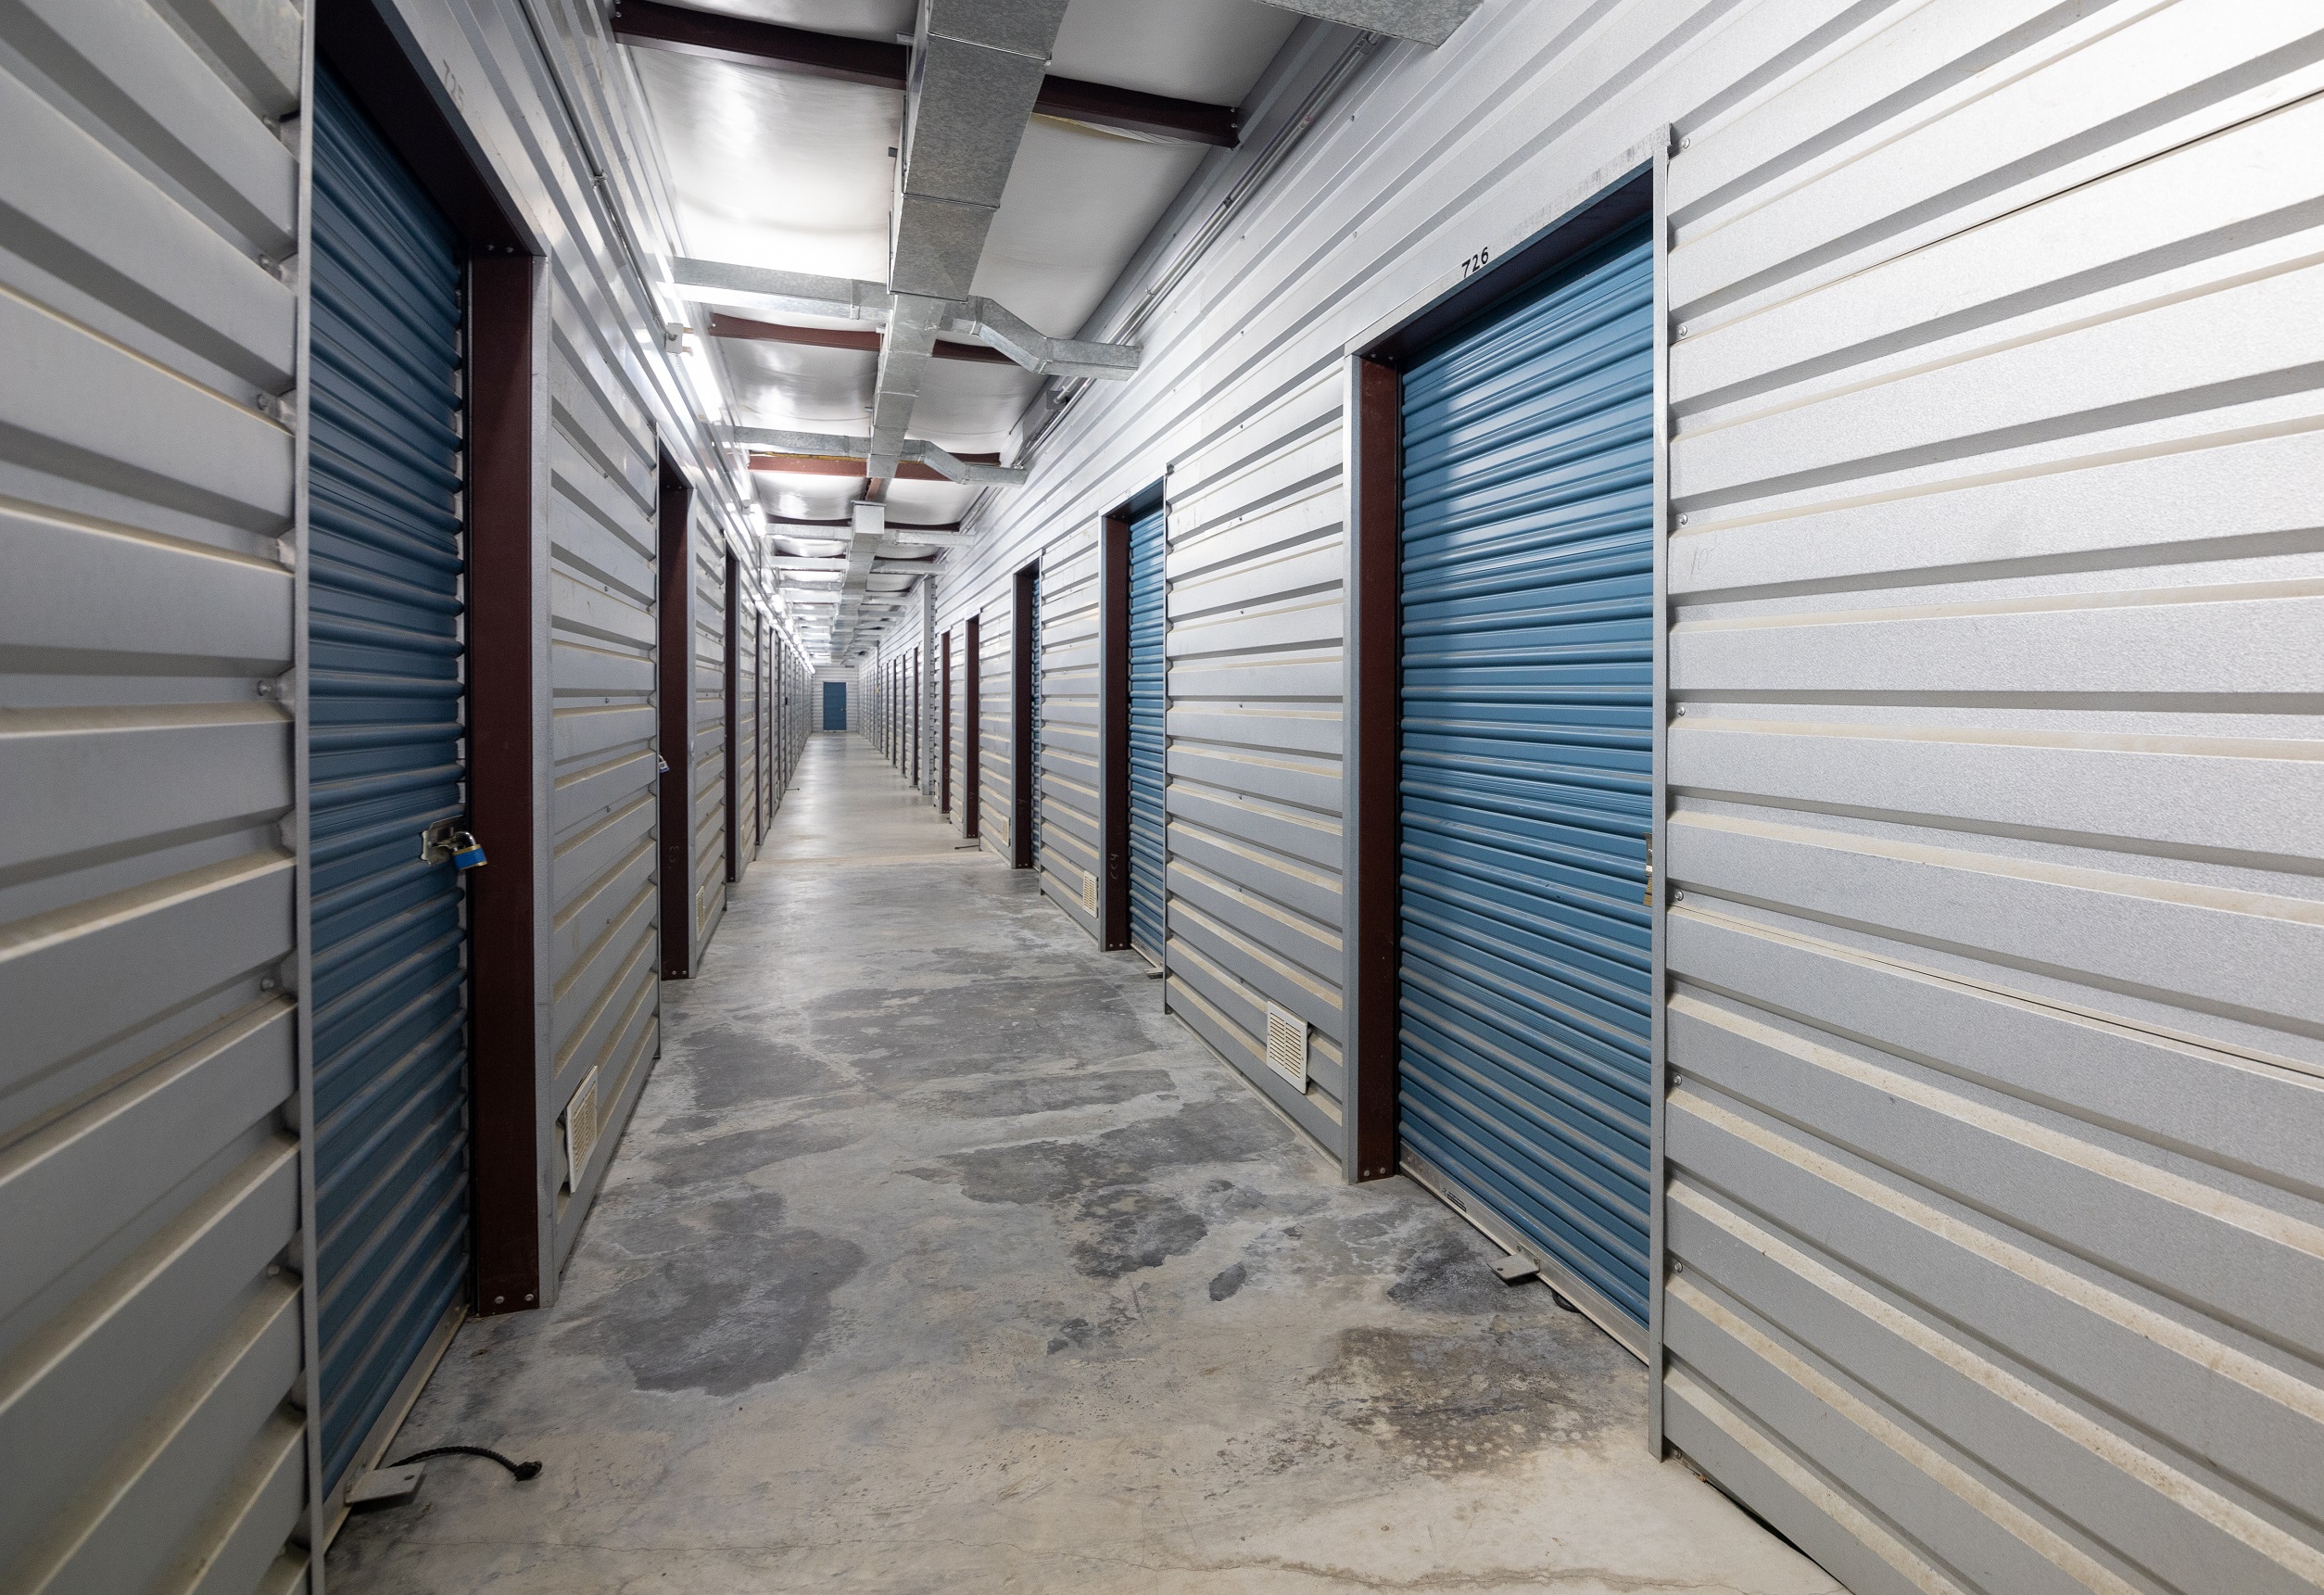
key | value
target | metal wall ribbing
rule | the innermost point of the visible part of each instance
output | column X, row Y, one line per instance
column 151, row 1353
column 1992, row 1021
column 746, row 720
column 606, row 1012
column 1997, row 1047
column 995, row 740
column 1255, row 566
column 1071, row 850
column 709, row 750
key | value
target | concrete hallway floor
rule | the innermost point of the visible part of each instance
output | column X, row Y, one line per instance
column 938, row 1257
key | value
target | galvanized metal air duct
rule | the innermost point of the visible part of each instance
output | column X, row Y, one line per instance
column 1428, row 22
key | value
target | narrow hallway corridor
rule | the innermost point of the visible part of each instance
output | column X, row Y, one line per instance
column 937, row 1257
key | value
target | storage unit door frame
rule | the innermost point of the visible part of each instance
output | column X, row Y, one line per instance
column 674, row 676
column 1526, row 774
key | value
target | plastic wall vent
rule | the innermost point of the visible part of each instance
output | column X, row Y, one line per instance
column 1089, row 891
column 580, row 1127
column 1287, row 1045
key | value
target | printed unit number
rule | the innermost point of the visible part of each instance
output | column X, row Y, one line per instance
column 1475, row 262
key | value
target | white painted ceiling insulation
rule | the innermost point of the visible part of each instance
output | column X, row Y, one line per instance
column 773, row 168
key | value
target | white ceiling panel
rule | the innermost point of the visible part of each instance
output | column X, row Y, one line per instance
column 798, row 388
column 967, row 407
column 1080, row 202
column 775, row 169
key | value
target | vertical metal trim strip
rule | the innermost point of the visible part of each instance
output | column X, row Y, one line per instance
column 1657, row 886
column 1370, row 838
column 301, row 838
column 507, row 903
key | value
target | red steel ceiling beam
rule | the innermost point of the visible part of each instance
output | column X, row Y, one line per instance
column 656, row 26
column 725, row 327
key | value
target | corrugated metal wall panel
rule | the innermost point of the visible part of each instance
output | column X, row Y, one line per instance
column 1255, row 566
column 746, row 806
column 1994, row 416
column 149, row 1182
column 995, row 739
column 711, row 599
column 604, row 925
column 1997, row 1071
column 1071, row 848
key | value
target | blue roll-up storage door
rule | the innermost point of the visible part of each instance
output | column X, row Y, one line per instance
column 1527, row 780
column 384, row 693
column 1149, row 703
column 834, row 705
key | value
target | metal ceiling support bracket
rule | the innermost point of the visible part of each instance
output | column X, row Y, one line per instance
column 839, row 446
column 799, row 293
column 835, row 565
column 992, row 323
column 744, row 330
column 1428, row 22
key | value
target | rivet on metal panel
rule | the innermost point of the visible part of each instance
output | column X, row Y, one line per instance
column 1682, row 520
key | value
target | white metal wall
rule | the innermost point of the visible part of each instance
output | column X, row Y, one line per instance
column 710, row 738
column 1072, row 850
column 605, row 935
column 151, row 1347
column 1997, row 1015
column 996, row 755
column 1258, row 558
column 1996, row 1027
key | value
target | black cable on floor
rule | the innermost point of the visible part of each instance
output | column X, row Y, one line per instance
column 521, row 1470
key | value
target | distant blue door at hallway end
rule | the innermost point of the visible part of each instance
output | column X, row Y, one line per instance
column 834, row 705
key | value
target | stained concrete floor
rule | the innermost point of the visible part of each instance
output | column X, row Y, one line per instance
column 938, row 1257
